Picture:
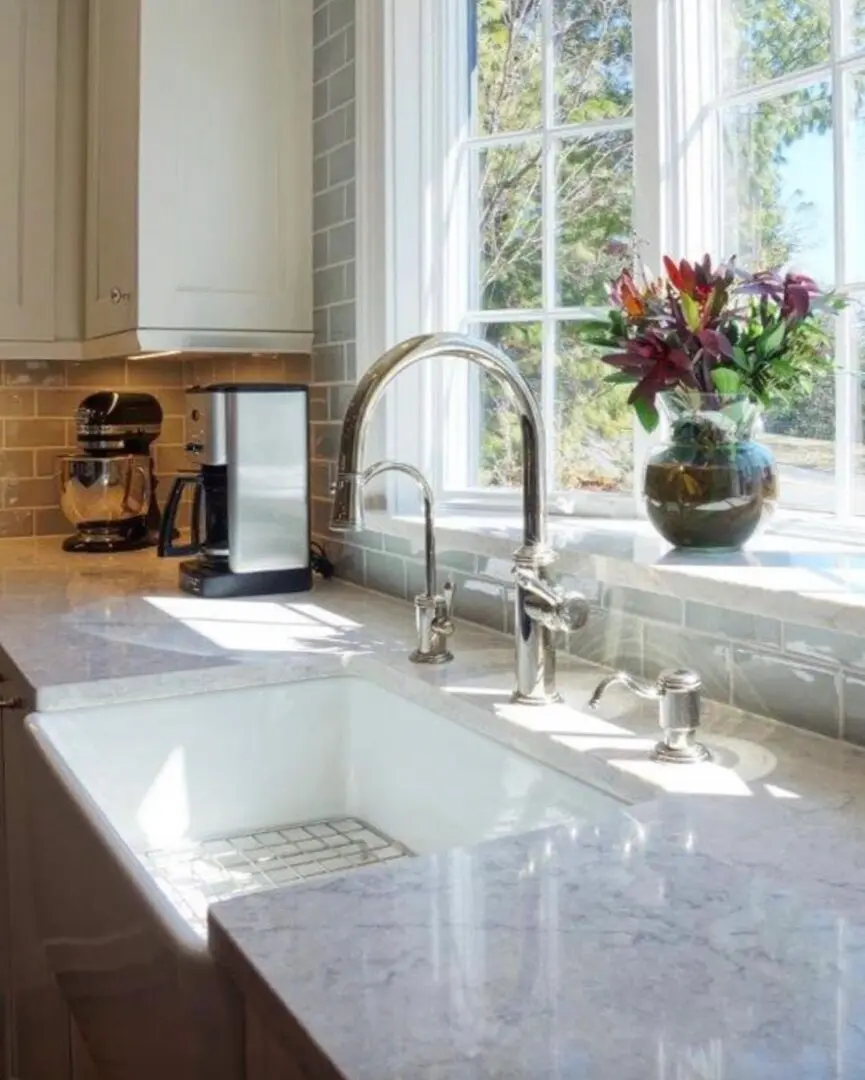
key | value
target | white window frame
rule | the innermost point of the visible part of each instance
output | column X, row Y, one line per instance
column 412, row 272
column 838, row 71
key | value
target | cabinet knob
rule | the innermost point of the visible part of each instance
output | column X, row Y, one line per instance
column 119, row 296
column 11, row 703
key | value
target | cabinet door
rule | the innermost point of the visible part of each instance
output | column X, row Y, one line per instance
column 226, row 165
column 112, row 167
column 39, row 1032
column 83, row 1067
column 28, row 85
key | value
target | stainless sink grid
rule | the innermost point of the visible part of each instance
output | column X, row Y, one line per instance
column 198, row 874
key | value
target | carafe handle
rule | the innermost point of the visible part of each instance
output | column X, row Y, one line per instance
column 166, row 546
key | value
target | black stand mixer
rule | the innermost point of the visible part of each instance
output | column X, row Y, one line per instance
column 108, row 489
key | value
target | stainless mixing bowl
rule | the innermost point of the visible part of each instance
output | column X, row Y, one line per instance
column 104, row 490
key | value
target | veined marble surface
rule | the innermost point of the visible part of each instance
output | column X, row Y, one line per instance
column 87, row 629
column 713, row 933
column 694, row 939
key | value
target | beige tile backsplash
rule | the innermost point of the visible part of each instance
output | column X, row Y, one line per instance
column 38, row 399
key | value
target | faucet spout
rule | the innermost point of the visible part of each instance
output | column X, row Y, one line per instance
column 347, row 510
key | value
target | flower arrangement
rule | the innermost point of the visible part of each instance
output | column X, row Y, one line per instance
column 716, row 331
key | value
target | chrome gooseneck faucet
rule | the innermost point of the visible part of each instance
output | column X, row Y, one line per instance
column 541, row 609
column 432, row 609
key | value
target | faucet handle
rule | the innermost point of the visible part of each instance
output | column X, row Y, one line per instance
column 444, row 605
column 575, row 610
column 550, row 605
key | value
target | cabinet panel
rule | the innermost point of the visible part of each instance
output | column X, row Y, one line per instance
column 39, row 1017
column 226, row 163
column 112, row 167
column 71, row 171
column 28, row 64
column 266, row 1055
column 83, row 1066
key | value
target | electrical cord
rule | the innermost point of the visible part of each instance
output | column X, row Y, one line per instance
column 319, row 561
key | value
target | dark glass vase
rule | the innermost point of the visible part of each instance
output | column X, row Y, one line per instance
column 710, row 486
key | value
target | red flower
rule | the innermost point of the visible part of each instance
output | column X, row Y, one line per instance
column 796, row 301
column 625, row 293
column 656, row 364
column 697, row 280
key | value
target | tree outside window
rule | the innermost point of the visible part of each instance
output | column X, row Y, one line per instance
column 553, row 178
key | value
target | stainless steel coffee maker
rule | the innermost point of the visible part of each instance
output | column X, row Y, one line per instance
column 108, row 489
column 250, row 507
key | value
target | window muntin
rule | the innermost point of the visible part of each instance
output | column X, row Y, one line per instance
column 550, row 159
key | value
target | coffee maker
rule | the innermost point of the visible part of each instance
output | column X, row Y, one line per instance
column 250, row 509
column 108, row 489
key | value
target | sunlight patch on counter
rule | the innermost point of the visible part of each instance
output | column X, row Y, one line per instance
column 259, row 625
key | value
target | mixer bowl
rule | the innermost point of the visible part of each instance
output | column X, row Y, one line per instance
column 104, row 491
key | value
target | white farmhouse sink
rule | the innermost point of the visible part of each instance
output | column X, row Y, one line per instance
column 145, row 813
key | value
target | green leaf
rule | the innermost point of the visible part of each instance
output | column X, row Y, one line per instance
column 602, row 332
column 618, row 323
column 726, row 380
column 772, row 340
column 785, row 370
column 647, row 414
column 741, row 359
column 691, row 310
column 594, row 326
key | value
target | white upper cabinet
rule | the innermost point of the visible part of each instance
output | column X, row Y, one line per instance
column 28, row 96
column 199, row 175
column 111, row 286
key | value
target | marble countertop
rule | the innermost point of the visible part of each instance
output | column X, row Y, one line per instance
column 710, row 931
column 86, row 629
column 698, row 938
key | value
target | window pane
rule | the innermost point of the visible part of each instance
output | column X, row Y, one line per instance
column 501, row 453
column 803, row 441
column 595, row 188
column 594, row 429
column 854, row 256
column 778, row 183
column 509, row 65
column 802, row 437
column 510, row 226
column 594, row 59
column 855, row 32
column 858, row 391
column 765, row 39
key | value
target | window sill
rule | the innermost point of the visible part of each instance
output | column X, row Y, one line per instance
column 787, row 573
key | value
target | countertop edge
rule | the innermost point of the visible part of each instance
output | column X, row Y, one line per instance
column 258, row 993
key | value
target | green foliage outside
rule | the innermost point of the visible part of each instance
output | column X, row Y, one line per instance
column 593, row 54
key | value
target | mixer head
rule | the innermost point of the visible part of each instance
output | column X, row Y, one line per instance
column 117, row 422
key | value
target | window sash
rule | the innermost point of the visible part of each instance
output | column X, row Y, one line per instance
column 650, row 222
column 679, row 176
column 838, row 71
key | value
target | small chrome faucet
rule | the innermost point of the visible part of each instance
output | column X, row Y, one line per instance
column 678, row 692
column 541, row 610
column 432, row 609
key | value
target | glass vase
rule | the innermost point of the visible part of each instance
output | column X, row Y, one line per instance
column 710, row 486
